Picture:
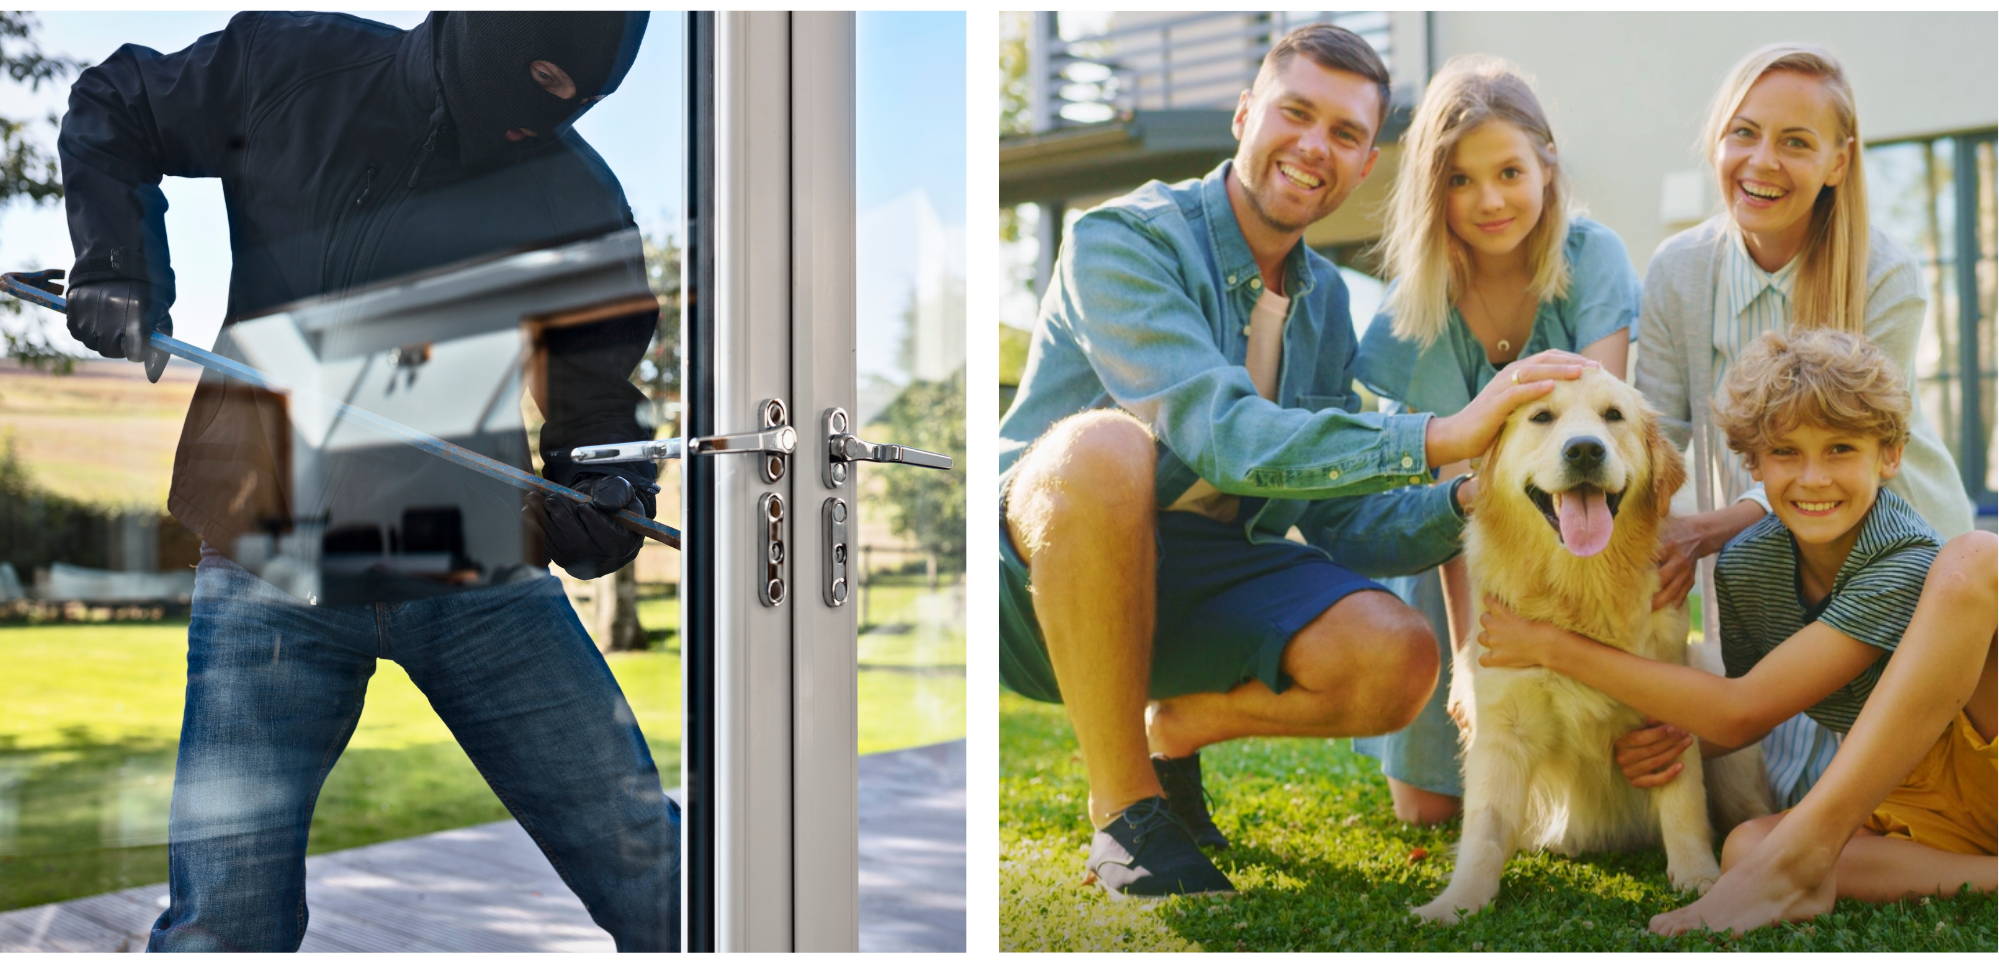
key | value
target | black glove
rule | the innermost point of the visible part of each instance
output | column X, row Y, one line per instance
column 116, row 318
column 583, row 539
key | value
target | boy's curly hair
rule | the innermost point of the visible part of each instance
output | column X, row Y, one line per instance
column 1822, row 377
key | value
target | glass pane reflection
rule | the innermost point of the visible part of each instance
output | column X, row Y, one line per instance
column 350, row 509
column 910, row 276
column 95, row 575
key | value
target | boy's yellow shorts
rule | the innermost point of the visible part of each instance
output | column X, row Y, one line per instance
column 1948, row 801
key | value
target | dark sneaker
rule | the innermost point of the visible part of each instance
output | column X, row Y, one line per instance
column 1181, row 778
column 1147, row 852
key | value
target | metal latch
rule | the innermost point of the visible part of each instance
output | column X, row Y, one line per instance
column 843, row 449
column 777, row 441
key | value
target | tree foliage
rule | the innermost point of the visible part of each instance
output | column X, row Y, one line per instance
column 1014, row 115
column 27, row 169
column 926, row 505
column 658, row 373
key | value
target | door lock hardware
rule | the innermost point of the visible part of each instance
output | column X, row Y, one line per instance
column 771, row 539
column 777, row 441
column 836, row 513
column 843, row 449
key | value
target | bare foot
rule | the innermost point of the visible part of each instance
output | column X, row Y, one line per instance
column 1757, row 892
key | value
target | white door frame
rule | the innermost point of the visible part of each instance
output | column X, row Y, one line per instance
column 826, row 727
column 777, row 766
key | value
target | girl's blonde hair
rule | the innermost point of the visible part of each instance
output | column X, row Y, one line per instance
column 1431, row 266
column 1830, row 287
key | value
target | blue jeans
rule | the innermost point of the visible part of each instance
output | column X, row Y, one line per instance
column 275, row 688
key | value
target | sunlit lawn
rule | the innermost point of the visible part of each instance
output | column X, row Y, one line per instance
column 912, row 657
column 1322, row 864
column 90, row 717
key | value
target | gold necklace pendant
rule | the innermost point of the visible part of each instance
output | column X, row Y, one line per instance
column 1505, row 346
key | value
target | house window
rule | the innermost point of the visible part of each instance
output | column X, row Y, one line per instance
column 1935, row 196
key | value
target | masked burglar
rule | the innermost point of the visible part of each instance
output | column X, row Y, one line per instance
column 352, row 152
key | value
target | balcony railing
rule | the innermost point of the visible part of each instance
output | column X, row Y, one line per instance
column 1195, row 61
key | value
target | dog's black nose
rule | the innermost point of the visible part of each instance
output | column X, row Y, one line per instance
column 1583, row 452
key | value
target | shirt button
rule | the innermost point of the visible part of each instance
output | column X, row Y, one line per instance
column 1407, row 461
column 1231, row 279
column 1255, row 284
column 1245, row 330
column 1332, row 473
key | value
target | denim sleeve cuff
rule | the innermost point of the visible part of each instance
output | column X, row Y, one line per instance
column 1402, row 457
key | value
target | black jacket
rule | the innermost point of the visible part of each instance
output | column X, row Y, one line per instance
column 339, row 167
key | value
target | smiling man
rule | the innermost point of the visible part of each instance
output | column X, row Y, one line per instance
column 1160, row 451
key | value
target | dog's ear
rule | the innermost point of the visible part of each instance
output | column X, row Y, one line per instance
column 1669, row 471
column 1486, row 467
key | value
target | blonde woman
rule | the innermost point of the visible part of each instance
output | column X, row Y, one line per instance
column 1791, row 249
column 1488, row 266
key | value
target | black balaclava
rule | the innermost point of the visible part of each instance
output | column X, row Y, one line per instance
column 482, row 64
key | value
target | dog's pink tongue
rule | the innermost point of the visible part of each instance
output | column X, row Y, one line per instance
column 1585, row 521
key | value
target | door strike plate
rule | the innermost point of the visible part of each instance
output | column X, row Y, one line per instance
column 836, row 513
column 771, row 540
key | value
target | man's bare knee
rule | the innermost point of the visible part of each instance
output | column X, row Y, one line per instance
column 1090, row 471
column 1370, row 648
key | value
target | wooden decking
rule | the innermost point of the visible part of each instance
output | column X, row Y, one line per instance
column 487, row 888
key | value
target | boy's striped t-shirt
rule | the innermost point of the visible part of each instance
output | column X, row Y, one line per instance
column 1762, row 600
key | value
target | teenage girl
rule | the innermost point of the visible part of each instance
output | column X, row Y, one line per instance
column 1488, row 265
column 1791, row 248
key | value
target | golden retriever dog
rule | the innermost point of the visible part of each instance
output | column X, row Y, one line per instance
column 1564, row 529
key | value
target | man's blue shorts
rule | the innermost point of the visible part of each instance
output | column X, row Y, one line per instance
column 1225, row 607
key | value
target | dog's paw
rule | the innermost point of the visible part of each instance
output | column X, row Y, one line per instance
column 1442, row 911
column 1697, row 875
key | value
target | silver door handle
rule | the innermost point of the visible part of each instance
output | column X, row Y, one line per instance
column 776, row 441
column 782, row 441
column 854, row 449
column 843, row 449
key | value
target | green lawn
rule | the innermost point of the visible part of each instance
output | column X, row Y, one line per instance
column 90, row 716
column 912, row 657
column 1322, row 864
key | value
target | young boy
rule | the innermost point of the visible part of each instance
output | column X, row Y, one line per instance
column 1839, row 604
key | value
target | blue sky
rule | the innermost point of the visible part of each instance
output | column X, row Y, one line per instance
column 910, row 80
column 910, row 129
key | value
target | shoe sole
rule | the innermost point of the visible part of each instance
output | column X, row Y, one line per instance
column 1121, row 896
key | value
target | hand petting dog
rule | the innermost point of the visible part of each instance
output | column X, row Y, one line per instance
column 1513, row 641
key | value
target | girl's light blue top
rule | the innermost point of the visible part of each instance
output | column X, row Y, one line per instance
column 1443, row 378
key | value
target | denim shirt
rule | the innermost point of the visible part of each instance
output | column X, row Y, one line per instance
column 1149, row 312
column 1444, row 377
